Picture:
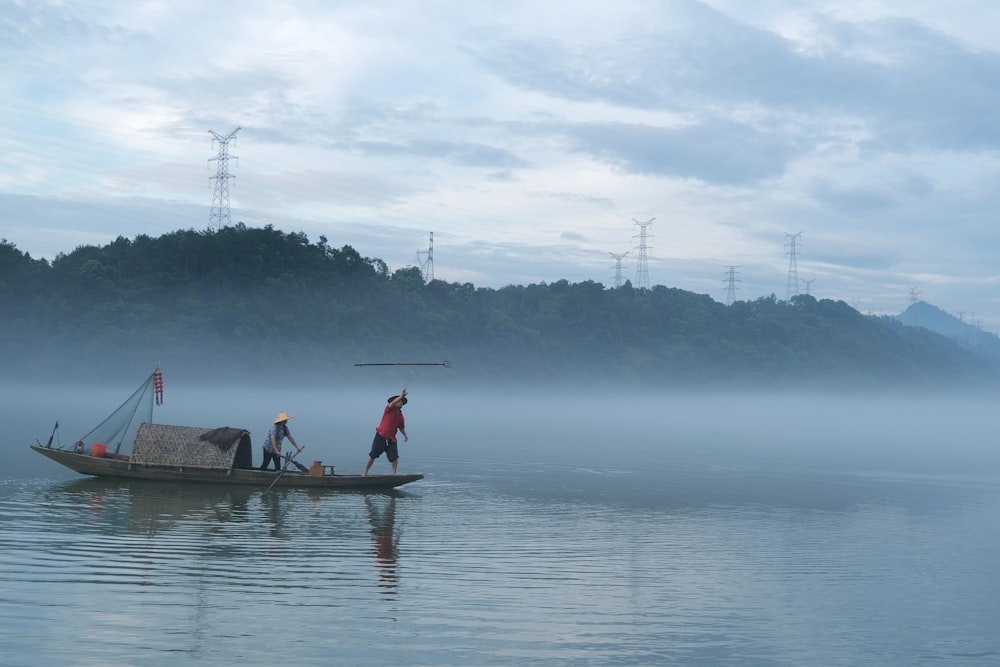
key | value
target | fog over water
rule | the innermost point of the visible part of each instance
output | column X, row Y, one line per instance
column 594, row 426
column 555, row 526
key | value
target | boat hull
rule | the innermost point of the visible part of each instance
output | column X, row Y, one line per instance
column 122, row 468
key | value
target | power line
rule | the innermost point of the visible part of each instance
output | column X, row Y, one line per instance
column 219, row 215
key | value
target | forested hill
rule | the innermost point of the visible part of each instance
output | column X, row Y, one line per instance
column 242, row 302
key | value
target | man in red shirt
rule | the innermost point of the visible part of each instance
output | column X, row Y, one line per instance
column 385, row 432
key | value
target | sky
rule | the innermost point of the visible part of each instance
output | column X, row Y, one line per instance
column 529, row 138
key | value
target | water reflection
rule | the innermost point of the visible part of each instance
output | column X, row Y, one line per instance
column 235, row 534
column 149, row 508
column 272, row 510
column 385, row 539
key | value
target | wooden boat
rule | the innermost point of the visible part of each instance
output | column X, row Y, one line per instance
column 190, row 454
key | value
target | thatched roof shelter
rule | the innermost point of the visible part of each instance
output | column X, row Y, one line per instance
column 190, row 447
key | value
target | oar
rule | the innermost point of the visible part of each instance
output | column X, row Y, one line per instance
column 446, row 364
column 289, row 458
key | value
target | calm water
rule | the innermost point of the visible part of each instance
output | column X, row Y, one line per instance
column 532, row 541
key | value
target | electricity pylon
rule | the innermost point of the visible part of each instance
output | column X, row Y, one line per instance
column 618, row 267
column 427, row 265
column 642, row 267
column 792, row 288
column 219, row 215
column 731, row 281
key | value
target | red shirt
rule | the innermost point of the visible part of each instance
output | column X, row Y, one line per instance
column 392, row 421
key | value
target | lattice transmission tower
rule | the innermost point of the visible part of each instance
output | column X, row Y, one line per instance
column 219, row 216
column 809, row 286
column 618, row 267
column 792, row 288
column 425, row 258
column 914, row 300
column 642, row 266
column 731, row 281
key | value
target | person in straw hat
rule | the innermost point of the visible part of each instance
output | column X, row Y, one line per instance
column 272, row 445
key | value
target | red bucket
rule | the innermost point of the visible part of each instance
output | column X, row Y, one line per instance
column 98, row 449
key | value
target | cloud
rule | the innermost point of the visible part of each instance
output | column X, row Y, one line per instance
column 463, row 153
column 526, row 137
column 870, row 195
column 716, row 151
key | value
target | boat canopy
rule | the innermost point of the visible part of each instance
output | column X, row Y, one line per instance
column 221, row 448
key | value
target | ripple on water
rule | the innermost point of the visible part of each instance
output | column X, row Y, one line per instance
column 547, row 566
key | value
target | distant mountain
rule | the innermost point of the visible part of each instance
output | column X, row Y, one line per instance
column 971, row 337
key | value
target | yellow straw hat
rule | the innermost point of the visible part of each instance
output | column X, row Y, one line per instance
column 282, row 417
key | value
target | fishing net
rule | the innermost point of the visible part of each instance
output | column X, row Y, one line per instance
column 121, row 425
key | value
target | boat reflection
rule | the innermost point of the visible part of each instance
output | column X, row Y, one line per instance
column 235, row 523
column 149, row 508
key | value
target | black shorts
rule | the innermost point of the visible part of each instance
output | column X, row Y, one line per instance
column 380, row 444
